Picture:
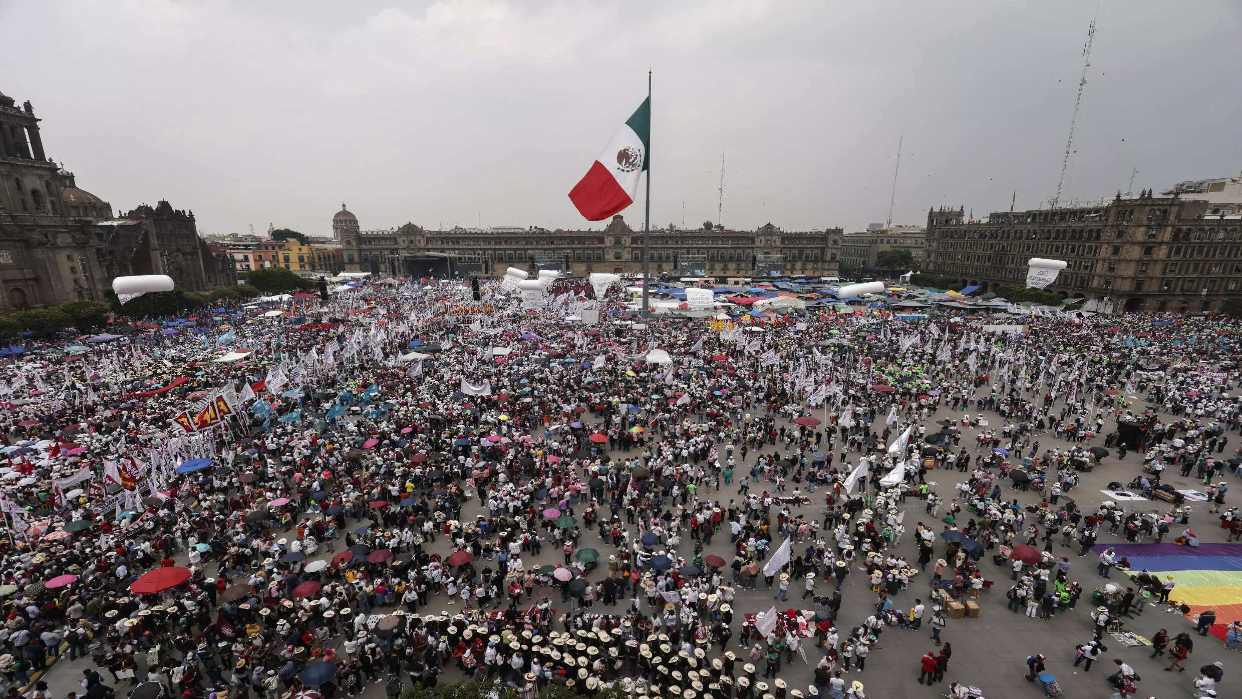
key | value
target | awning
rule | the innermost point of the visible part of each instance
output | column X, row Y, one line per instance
column 967, row 291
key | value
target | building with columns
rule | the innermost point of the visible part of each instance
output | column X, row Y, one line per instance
column 708, row 251
column 1147, row 253
column 60, row 243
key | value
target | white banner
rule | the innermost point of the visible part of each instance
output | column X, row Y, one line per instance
column 1041, row 273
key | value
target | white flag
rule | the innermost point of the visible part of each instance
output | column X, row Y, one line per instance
column 599, row 363
column 684, row 400
column 852, row 479
column 765, row 623
column 892, row 415
column 780, row 557
column 898, row 447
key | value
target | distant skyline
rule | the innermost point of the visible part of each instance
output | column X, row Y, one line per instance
column 485, row 112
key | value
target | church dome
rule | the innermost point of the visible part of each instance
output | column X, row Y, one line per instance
column 344, row 216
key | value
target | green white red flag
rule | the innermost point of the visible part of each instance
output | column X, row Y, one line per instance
column 611, row 183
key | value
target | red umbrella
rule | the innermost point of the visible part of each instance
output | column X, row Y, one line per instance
column 1027, row 554
column 342, row 557
column 459, row 558
column 714, row 561
column 599, row 438
column 881, row 388
column 807, row 421
column 418, row 458
column 379, row 556
column 379, row 504
column 159, row 580
column 720, row 358
column 554, row 459
column 60, row 581
column 310, row 588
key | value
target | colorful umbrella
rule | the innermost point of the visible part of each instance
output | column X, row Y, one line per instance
column 310, row 588
column 60, row 581
column 160, row 579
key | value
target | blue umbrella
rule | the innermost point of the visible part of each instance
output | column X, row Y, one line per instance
column 318, row 495
column 462, row 442
column 951, row 536
column 407, row 502
column 318, row 673
column 193, row 465
column 661, row 563
column 650, row 539
column 577, row 425
column 970, row 545
column 335, row 510
column 293, row 557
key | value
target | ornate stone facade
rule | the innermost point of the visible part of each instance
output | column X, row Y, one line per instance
column 60, row 243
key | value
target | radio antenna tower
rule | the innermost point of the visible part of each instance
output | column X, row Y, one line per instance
column 720, row 191
column 1082, row 85
column 892, row 195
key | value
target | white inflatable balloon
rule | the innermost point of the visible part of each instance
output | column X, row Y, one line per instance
column 600, row 281
column 547, row 276
column 129, row 288
column 851, row 290
column 532, row 293
column 1041, row 273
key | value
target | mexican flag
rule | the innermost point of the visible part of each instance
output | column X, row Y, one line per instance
column 611, row 183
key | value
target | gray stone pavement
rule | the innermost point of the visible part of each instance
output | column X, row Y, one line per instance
column 988, row 651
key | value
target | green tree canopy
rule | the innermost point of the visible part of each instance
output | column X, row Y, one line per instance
column 901, row 259
column 289, row 234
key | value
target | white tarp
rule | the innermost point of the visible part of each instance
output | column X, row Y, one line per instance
column 412, row 356
column 699, row 299
column 658, row 356
column 1041, row 273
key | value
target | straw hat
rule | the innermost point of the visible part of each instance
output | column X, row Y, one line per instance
column 743, row 682
column 780, row 683
column 856, row 686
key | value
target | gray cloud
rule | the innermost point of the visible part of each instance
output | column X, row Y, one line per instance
column 458, row 112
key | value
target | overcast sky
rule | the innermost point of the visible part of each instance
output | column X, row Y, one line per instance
column 486, row 111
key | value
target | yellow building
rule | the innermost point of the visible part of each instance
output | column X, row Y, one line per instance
column 296, row 256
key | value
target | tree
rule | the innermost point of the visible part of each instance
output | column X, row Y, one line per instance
column 1232, row 307
column 289, row 234
column 708, row 225
column 900, row 259
column 42, row 321
column 86, row 315
column 277, row 280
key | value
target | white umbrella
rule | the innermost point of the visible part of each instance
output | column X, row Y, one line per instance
column 315, row 566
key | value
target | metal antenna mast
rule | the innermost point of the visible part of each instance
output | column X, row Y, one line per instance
column 892, row 196
column 1082, row 84
column 720, row 190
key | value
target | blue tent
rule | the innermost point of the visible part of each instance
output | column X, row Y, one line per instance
column 194, row 465
column 968, row 290
column 12, row 351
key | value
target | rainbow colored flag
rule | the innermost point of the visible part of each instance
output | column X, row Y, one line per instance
column 1208, row 576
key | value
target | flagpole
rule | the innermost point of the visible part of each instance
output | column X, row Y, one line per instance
column 647, row 206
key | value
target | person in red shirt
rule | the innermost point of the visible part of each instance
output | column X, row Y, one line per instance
column 927, row 667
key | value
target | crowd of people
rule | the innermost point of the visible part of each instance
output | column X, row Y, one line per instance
column 322, row 496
